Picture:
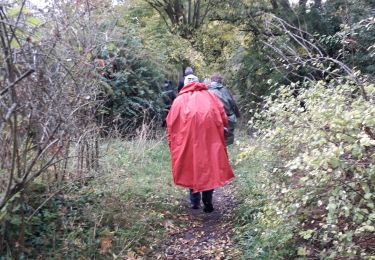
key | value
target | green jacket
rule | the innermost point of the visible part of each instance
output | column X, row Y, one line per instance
column 226, row 98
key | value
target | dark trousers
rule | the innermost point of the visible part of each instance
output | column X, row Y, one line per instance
column 206, row 196
column 230, row 135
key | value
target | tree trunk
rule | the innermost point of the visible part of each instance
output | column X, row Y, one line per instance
column 318, row 4
column 275, row 6
column 197, row 18
column 302, row 6
column 189, row 12
column 285, row 5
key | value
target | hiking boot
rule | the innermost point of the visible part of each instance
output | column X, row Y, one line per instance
column 195, row 199
column 207, row 201
column 195, row 206
column 208, row 208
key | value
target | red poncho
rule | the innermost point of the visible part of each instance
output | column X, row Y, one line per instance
column 196, row 124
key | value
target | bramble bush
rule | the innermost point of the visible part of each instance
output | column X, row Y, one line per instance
column 324, row 180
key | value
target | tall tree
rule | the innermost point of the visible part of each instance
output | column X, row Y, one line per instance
column 183, row 16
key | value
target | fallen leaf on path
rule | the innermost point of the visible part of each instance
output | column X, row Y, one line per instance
column 106, row 243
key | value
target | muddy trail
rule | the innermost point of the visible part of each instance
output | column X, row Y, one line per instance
column 198, row 235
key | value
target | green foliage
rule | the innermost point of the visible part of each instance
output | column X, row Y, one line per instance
column 40, row 232
column 357, row 41
column 344, row 30
column 326, row 180
column 174, row 52
column 132, row 74
column 217, row 41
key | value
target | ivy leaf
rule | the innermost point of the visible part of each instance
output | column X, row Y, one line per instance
column 33, row 21
column 307, row 234
column 14, row 12
column 302, row 251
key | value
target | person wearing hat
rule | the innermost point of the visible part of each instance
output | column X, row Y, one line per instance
column 188, row 71
column 216, row 87
column 195, row 125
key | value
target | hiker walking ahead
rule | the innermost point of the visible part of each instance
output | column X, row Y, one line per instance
column 188, row 71
column 195, row 125
column 230, row 106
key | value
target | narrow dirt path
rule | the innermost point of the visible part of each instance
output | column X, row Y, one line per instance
column 198, row 235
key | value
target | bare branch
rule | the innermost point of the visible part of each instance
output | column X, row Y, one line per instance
column 23, row 76
column 313, row 58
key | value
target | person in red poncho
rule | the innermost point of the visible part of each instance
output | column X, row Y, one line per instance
column 196, row 123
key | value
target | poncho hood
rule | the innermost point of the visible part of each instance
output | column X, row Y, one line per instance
column 193, row 86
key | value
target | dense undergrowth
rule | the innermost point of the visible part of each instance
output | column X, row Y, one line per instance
column 307, row 187
column 118, row 213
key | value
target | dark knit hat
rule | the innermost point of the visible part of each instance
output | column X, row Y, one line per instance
column 217, row 78
column 188, row 71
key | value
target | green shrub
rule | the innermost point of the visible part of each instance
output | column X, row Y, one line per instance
column 325, row 182
column 132, row 85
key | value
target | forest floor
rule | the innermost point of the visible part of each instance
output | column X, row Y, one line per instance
column 199, row 235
